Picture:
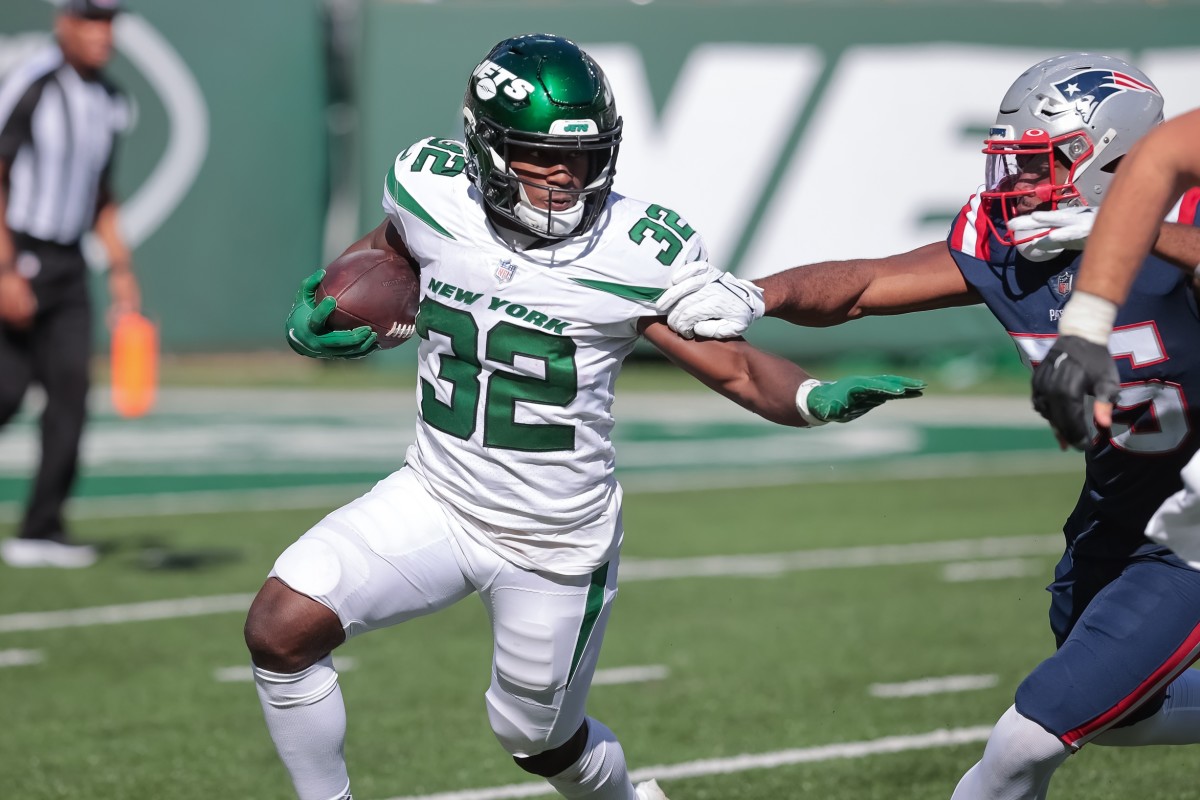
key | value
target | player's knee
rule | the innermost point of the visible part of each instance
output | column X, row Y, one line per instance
column 287, row 632
column 551, row 762
column 1018, row 748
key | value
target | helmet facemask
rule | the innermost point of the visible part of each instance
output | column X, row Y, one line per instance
column 1031, row 172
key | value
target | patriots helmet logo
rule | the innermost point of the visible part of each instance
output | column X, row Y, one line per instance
column 1091, row 87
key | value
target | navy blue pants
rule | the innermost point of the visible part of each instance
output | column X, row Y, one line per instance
column 1125, row 630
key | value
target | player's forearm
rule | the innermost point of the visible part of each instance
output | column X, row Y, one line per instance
column 817, row 295
column 834, row 292
column 766, row 385
column 108, row 231
column 8, row 249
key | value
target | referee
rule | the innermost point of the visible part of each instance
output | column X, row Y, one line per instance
column 59, row 119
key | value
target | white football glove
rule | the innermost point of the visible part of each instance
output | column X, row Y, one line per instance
column 1065, row 229
column 704, row 301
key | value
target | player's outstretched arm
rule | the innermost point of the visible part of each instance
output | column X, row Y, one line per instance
column 773, row 387
column 309, row 335
column 703, row 301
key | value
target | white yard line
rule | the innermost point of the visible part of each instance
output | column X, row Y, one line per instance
column 619, row 675
column 928, row 686
column 631, row 570
column 946, row 737
column 130, row 612
column 969, row 571
column 838, row 558
column 20, row 658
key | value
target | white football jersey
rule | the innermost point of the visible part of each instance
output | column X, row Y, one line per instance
column 519, row 353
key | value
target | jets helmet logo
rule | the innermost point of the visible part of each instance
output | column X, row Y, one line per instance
column 1089, row 88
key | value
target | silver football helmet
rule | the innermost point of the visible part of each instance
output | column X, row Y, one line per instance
column 1063, row 127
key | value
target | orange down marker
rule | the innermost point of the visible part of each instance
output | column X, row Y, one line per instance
column 134, row 364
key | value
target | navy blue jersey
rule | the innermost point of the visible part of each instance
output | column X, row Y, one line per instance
column 1156, row 345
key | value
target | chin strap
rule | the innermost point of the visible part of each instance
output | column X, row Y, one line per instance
column 555, row 224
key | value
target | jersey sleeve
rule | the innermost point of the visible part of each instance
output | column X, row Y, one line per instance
column 970, row 234
column 419, row 190
column 1185, row 210
column 970, row 243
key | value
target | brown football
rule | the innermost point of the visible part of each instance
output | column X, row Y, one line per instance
column 373, row 287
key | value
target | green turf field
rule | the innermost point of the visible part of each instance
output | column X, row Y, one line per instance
column 769, row 616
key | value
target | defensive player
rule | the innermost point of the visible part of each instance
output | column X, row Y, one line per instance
column 1125, row 611
column 537, row 281
column 1155, row 174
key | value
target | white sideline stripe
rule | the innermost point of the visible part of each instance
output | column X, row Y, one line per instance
column 838, row 557
column 969, row 571
column 168, row 504
column 243, row 673
column 20, row 658
column 631, row 570
column 945, row 737
column 130, row 612
column 927, row 686
column 618, row 675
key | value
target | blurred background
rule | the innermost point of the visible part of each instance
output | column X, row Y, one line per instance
column 787, row 132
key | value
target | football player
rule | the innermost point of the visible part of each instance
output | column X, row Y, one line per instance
column 1154, row 175
column 537, row 280
column 1125, row 611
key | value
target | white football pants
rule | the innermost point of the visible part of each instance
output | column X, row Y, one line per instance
column 397, row 553
column 1176, row 524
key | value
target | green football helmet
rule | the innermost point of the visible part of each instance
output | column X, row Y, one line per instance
column 540, row 91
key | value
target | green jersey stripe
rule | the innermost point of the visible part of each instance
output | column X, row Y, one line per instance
column 646, row 293
column 595, row 602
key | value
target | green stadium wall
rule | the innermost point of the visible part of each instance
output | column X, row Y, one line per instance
column 786, row 132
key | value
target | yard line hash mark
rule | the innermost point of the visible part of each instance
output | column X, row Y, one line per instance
column 1000, row 569
column 618, row 675
column 631, row 570
column 20, row 658
column 944, row 737
column 928, row 686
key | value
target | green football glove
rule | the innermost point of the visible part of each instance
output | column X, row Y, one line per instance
column 850, row 398
column 307, row 332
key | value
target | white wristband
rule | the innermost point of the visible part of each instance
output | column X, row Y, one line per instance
column 1089, row 317
column 802, row 402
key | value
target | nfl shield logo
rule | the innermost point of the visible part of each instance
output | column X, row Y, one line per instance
column 1061, row 283
column 506, row 270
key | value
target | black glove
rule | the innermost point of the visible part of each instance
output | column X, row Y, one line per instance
column 1074, row 368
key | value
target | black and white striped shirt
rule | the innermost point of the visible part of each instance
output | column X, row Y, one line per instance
column 57, row 131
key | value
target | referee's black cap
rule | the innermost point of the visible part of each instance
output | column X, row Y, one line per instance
column 91, row 9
